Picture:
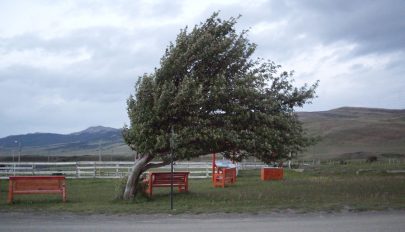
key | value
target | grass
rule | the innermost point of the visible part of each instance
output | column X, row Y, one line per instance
column 349, row 132
column 324, row 188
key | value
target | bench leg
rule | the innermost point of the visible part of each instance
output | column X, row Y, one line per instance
column 10, row 192
column 216, row 180
column 219, row 181
column 64, row 195
column 150, row 191
column 183, row 188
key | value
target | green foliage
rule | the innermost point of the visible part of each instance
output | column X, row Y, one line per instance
column 216, row 98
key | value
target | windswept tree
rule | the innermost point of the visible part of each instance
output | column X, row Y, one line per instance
column 210, row 96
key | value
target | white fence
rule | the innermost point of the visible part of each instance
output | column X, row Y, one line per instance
column 89, row 169
column 103, row 169
column 116, row 169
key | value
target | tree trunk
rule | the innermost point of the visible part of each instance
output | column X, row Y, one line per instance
column 133, row 177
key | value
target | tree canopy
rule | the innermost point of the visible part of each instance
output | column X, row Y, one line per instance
column 210, row 95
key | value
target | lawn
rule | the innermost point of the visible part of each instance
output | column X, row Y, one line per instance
column 323, row 188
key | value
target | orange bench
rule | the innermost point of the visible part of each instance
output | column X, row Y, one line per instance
column 224, row 176
column 270, row 173
column 163, row 179
column 36, row 185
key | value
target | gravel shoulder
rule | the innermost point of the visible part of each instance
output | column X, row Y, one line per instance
column 277, row 221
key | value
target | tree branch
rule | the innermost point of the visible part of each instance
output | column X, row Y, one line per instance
column 155, row 165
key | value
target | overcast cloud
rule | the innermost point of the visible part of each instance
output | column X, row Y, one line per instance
column 67, row 65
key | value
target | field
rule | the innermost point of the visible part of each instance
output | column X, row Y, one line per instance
column 355, row 133
column 322, row 188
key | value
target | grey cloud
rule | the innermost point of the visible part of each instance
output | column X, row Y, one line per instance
column 32, row 104
column 95, row 90
column 131, row 9
column 375, row 26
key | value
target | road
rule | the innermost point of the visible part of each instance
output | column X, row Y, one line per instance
column 279, row 222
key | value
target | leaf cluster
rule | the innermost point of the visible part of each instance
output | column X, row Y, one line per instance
column 216, row 98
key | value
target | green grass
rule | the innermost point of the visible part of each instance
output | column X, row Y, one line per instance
column 325, row 188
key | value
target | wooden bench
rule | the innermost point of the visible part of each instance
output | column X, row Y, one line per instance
column 36, row 185
column 163, row 179
column 224, row 176
column 271, row 173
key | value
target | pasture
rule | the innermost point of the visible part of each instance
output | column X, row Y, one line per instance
column 319, row 188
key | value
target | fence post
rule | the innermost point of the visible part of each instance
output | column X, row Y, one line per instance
column 94, row 174
column 116, row 169
column 77, row 170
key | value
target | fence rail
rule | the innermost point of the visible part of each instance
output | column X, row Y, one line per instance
column 97, row 169
column 103, row 169
column 118, row 169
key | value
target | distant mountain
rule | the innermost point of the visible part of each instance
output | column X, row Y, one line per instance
column 352, row 132
column 97, row 130
column 91, row 134
column 88, row 141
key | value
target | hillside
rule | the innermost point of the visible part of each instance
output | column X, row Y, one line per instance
column 90, row 142
column 349, row 132
column 346, row 133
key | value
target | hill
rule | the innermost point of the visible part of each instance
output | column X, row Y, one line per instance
column 346, row 133
column 352, row 133
column 93, row 141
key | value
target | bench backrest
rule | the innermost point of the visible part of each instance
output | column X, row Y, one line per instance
column 26, row 183
column 229, row 172
column 165, row 177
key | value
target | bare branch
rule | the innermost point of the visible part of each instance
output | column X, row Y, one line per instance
column 155, row 165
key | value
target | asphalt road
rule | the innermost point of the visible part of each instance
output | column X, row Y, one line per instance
column 279, row 222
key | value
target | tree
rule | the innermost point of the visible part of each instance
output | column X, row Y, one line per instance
column 216, row 98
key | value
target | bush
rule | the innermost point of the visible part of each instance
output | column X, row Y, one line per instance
column 371, row 159
column 120, row 187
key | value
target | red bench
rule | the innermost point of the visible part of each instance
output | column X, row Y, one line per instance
column 224, row 176
column 36, row 185
column 163, row 179
column 270, row 173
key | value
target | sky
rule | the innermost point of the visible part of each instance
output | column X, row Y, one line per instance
column 68, row 65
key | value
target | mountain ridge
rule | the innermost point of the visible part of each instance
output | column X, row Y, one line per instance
column 36, row 143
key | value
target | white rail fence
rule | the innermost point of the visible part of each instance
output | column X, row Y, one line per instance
column 118, row 169
column 103, row 169
column 90, row 169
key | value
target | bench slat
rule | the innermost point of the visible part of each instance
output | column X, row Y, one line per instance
column 37, row 192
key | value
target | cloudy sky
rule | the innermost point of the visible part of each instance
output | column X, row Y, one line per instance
column 68, row 65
